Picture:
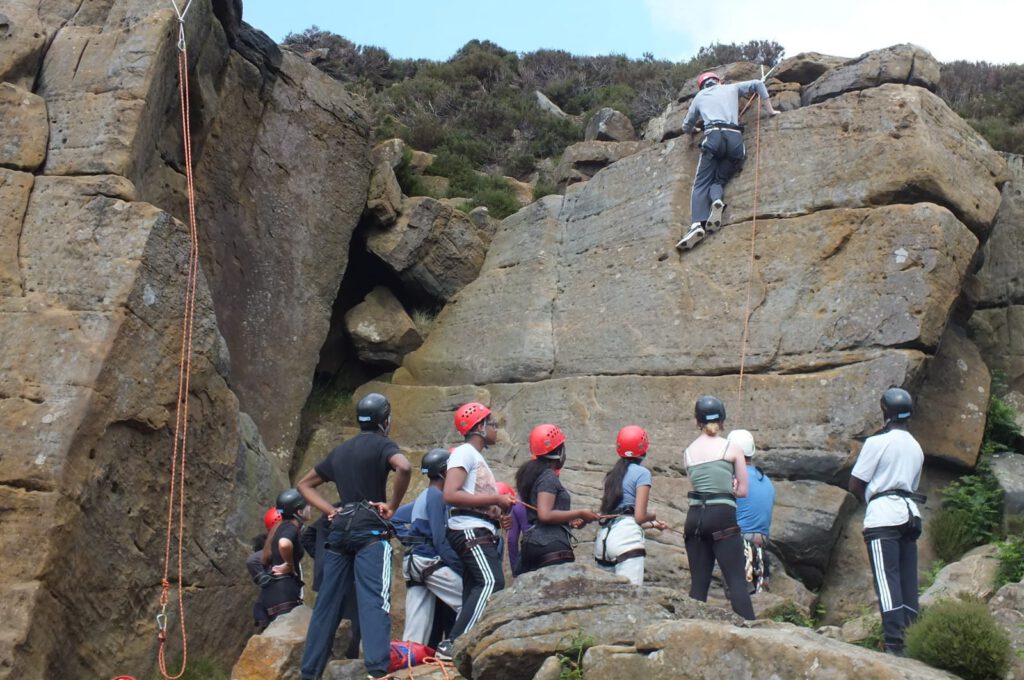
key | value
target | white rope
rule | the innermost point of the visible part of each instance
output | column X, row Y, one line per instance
column 181, row 22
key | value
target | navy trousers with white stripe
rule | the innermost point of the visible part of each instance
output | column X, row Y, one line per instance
column 721, row 156
column 893, row 554
column 366, row 559
column 481, row 575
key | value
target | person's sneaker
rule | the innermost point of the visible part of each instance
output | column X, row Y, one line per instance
column 443, row 651
column 715, row 220
column 692, row 237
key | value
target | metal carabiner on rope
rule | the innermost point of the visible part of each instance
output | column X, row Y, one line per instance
column 181, row 23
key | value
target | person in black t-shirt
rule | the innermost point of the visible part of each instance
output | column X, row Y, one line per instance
column 357, row 547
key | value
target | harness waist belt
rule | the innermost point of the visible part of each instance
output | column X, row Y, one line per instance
column 710, row 496
column 902, row 493
column 474, row 513
column 721, row 125
column 628, row 555
column 479, row 540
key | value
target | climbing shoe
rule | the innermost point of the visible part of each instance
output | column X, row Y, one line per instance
column 715, row 220
column 692, row 237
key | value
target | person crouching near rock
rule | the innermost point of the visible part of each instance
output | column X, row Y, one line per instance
column 474, row 522
column 619, row 546
column 548, row 541
column 711, row 532
column 886, row 475
column 282, row 554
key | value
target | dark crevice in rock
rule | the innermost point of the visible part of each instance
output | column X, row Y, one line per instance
column 36, row 485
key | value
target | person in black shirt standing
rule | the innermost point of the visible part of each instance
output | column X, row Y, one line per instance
column 282, row 554
column 358, row 547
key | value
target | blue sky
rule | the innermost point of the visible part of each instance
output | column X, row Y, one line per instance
column 669, row 29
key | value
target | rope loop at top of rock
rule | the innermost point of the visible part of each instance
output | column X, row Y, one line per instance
column 181, row 22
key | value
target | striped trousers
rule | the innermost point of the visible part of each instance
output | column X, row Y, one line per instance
column 481, row 574
column 893, row 554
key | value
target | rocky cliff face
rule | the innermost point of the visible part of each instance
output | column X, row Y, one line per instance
column 93, row 264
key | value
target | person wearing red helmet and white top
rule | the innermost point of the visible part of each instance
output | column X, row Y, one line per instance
column 721, row 151
column 475, row 519
column 619, row 546
column 548, row 541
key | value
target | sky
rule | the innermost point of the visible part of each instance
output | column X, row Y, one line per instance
column 981, row 30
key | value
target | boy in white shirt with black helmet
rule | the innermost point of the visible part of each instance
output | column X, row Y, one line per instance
column 886, row 476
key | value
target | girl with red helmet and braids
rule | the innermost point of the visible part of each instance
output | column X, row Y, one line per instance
column 619, row 546
column 548, row 541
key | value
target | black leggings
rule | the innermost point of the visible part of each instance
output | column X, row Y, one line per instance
column 702, row 522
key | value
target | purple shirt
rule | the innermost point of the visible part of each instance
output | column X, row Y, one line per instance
column 519, row 525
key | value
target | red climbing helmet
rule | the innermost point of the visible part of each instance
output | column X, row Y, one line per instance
column 705, row 77
column 544, row 439
column 271, row 517
column 469, row 415
column 632, row 442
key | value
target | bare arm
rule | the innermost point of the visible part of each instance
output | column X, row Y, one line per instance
column 640, row 514
column 739, row 468
column 455, row 496
column 858, row 487
column 547, row 514
column 403, row 471
column 307, row 487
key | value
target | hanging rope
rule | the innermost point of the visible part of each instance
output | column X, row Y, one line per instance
column 750, row 273
column 176, row 494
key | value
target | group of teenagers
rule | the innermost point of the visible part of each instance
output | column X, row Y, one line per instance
column 453, row 532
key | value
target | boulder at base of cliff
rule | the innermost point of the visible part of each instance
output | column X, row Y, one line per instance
column 710, row 650
column 381, row 330
column 971, row 576
column 1009, row 471
column 609, row 125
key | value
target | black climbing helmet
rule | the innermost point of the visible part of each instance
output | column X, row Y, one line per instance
column 897, row 405
column 373, row 411
column 709, row 409
column 290, row 502
column 435, row 463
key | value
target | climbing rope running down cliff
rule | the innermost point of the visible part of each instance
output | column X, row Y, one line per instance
column 176, row 493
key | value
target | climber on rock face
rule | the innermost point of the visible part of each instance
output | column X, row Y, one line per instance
column 886, row 475
column 721, row 151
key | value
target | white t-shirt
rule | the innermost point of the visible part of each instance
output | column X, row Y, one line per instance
column 891, row 460
column 479, row 480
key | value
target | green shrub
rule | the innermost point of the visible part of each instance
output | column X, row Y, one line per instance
column 1011, row 561
column 789, row 612
column 572, row 658
column 543, row 189
column 411, row 183
column 951, row 535
column 875, row 639
column 960, row 637
column 500, row 199
column 928, row 577
column 971, row 513
column 1001, row 428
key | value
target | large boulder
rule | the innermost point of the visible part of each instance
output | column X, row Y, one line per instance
column 972, row 576
column 1008, row 468
column 806, row 524
column 24, row 133
column 903, row 64
column 806, row 67
column 275, row 653
column 951, row 405
column 582, row 160
column 609, row 125
column 381, row 330
column 384, row 199
column 282, row 184
column 541, row 612
column 23, row 37
column 999, row 281
column 434, row 248
column 709, row 650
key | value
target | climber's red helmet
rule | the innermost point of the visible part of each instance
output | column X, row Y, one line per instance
column 703, row 79
column 632, row 442
column 468, row 416
column 271, row 517
column 545, row 439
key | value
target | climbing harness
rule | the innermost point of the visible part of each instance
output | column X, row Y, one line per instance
column 180, row 433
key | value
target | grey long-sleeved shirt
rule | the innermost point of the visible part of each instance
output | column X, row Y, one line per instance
column 720, row 103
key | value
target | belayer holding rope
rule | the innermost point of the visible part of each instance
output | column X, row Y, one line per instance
column 619, row 546
column 722, row 151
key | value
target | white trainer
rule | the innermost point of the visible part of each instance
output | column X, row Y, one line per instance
column 692, row 237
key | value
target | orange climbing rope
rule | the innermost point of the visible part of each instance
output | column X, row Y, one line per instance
column 750, row 273
column 180, row 445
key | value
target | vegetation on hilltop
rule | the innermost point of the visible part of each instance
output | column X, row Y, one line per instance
column 479, row 107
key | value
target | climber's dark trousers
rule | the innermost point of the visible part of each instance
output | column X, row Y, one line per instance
column 702, row 522
column 721, row 156
column 893, row 555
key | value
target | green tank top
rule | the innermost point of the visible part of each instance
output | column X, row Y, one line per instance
column 714, row 476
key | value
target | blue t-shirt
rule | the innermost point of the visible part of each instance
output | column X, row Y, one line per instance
column 429, row 520
column 754, row 513
column 636, row 475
